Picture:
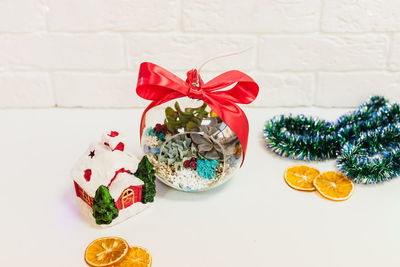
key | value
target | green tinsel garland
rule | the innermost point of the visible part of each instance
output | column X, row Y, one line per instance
column 373, row 157
column 366, row 141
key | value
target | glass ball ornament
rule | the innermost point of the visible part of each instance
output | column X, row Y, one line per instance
column 191, row 148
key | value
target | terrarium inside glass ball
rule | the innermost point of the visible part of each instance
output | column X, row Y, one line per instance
column 191, row 148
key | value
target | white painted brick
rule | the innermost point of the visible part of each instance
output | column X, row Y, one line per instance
column 284, row 89
column 251, row 15
column 394, row 57
column 59, row 51
column 352, row 89
column 97, row 90
column 323, row 52
column 93, row 52
column 184, row 52
column 361, row 16
column 22, row 16
column 25, row 90
column 126, row 15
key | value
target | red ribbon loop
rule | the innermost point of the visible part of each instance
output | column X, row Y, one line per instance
column 159, row 85
column 194, row 91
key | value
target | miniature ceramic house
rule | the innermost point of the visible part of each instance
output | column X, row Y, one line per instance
column 106, row 173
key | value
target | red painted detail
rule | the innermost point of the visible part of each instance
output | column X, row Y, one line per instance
column 83, row 195
column 116, row 174
column 91, row 154
column 87, row 174
column 78, row 190
column 118, row 203
column 119, row 147
column 138, row 196
column 113, row 134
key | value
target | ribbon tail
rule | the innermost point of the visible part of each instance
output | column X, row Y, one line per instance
column 233, row 116
column 143, row 119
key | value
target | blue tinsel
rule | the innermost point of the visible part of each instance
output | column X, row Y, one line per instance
column 366, row 141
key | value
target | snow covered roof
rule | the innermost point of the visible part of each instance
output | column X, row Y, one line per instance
column 98, row 165
column 121, row 182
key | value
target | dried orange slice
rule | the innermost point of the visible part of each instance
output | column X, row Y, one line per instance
column 137, row 257
column 106, row 251
column 301, row 177
column 334, row 186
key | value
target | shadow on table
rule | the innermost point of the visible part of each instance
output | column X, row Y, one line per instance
column 69, row 202
column 166, row 192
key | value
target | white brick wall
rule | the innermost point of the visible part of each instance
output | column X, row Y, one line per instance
column 305, row 52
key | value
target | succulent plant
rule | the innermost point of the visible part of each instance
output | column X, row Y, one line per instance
column 206, row 147
column 210, row 126
column 176, row 150
column 190, row 119
column 216, row 135
column 231, row 145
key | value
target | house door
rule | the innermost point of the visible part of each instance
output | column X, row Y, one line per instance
column 127, row 198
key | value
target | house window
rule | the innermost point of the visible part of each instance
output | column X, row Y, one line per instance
column 127, row 198
column 128, row 192
column 86, row 198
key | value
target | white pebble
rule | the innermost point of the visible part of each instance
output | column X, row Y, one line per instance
column 189, row 179
column 151, row 141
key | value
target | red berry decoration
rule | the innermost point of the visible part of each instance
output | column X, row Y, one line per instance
column 190, row 163
column 160, row 128
column 193, row 165
column 186, row 164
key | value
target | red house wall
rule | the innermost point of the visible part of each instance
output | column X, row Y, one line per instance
column 80, row 193
column 137, row 190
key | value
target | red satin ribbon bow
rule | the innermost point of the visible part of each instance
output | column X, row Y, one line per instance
column 159, row 85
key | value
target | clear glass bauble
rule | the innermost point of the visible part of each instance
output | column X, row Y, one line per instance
column 191, row 148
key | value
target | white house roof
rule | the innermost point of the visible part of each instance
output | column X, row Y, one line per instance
column 121, row 182
column 103, row 166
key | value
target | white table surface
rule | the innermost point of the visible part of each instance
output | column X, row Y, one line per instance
column 253, row 220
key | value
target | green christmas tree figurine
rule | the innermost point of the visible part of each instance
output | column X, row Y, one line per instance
column 104, row 209
column 145, row 172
